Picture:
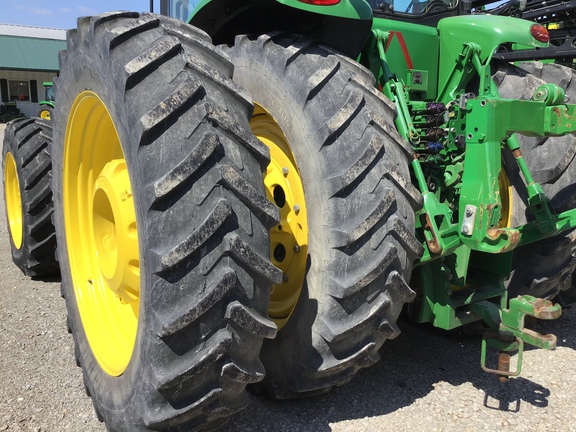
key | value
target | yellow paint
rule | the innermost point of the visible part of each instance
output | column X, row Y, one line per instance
column 101, row 233
column 289, row 239
column 13, row 200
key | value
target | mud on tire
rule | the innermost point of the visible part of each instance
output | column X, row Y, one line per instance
column 28, row 143
column 360, row 205
column 542, row 269
column 201, row 218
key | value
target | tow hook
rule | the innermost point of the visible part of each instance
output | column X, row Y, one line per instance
column 512, row 335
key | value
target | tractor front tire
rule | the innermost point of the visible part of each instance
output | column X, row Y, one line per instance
column 162, row 223
column 544, row 268
column 27, row 167
column 339, row 173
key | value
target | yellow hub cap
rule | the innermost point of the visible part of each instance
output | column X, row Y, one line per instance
column 45, row 114
column 101, row 233
column 13, row 200
column 289, row 239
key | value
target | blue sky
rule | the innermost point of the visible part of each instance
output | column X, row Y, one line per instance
column 63, row 13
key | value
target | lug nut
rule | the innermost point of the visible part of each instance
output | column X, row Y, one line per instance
column 296, row 208
column 285, row 171
column 296, row 248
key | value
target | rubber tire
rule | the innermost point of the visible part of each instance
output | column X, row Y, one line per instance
column 30, row 141
column 196, row 173
column 360, row 205
column 542, row 269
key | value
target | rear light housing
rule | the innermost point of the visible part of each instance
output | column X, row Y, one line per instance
column 540, row 33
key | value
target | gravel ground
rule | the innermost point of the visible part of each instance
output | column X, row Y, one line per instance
column 428, row 380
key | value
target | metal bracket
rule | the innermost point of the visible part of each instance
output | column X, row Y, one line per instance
column 512, row 335
column 505, row 343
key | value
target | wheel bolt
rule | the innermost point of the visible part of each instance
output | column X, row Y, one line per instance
column 296, row 248
column 296, row 208
column 285, row 171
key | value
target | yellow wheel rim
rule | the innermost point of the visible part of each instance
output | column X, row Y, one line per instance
column 13, row 200
column 505, row 199
column 101, row 233
column 45, row 114
column 289, row 239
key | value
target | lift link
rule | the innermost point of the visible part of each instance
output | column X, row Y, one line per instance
column 512, row 335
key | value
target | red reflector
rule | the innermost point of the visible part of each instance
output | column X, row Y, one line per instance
column 320, row 2
column 540, row 33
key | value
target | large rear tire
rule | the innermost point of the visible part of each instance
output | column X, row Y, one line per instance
column 542, row 269
column 339, row 174
column 162, row 223
column 27, row 168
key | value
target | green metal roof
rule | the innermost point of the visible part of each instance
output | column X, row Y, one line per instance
column 25, row 53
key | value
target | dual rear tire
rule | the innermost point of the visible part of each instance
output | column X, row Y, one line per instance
column 163, row 223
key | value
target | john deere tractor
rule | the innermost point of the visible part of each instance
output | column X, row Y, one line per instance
column 47, row 105
column 247, row 194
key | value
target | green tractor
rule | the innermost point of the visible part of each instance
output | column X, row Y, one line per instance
column 247, row 194
column 47, row 105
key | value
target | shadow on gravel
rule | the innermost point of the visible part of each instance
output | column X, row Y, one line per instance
column 410, row 368
column 48, row 279
column 508, row 397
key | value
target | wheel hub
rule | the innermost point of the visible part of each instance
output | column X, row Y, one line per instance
column 45, row 114
column 289, row 239
column 114, row 226
column 101, row 233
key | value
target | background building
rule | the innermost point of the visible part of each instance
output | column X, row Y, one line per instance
column 28, row 57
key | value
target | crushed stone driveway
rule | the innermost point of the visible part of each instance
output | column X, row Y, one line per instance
column 427, row 380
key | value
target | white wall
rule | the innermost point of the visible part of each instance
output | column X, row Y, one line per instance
column 29, row 109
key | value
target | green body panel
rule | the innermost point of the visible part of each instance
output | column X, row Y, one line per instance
column 344, row 26
column 353, row 9
column 411, row 47
column 486, row 31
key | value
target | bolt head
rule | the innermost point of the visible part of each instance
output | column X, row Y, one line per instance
column 285, row 171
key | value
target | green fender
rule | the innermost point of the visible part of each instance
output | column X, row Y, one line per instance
column 486, row 31
column 344, row 26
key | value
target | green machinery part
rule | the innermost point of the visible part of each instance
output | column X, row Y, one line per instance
column 440, row 73
column 47, row 105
